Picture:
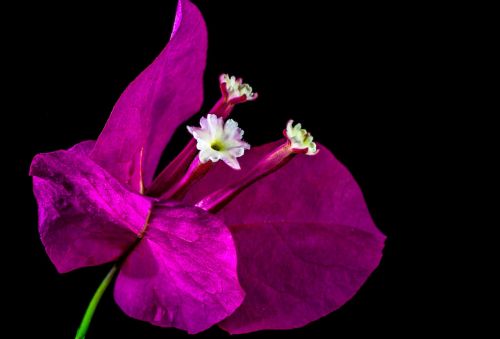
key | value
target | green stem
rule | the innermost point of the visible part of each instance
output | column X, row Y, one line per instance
column 84, row 325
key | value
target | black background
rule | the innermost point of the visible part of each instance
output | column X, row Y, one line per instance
column 360, row 77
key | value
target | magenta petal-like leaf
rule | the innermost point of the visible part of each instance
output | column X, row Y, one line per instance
column 86, row 217
column 183, row 273
column 294, row 273
column 305, row 240
column 164, row 95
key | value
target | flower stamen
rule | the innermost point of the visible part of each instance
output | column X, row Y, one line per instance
column 217, row 146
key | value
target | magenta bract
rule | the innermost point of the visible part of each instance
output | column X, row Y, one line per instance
column 300, row 240
column 305, row 246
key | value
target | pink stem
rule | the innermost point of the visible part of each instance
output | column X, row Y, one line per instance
column 269, row 164
column 195, row 172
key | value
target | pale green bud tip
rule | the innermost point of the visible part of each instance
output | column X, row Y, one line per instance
column 235, row 90
column 300, row 140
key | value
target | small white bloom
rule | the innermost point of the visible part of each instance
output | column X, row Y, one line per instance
column 236, row 88
column 217, row 140
column 300, row 139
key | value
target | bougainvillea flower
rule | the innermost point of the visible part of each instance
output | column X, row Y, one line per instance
column 286, row 220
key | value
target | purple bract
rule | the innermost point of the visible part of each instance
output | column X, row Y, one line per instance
column 296, row 234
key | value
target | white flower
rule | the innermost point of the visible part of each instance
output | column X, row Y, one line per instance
column 217, row 140
column 236, row 89
column 300, row 139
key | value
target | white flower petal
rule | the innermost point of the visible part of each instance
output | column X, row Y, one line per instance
column 232, row 162
column 217, row 140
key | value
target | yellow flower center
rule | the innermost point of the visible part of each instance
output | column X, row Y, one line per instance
column 217, row 145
